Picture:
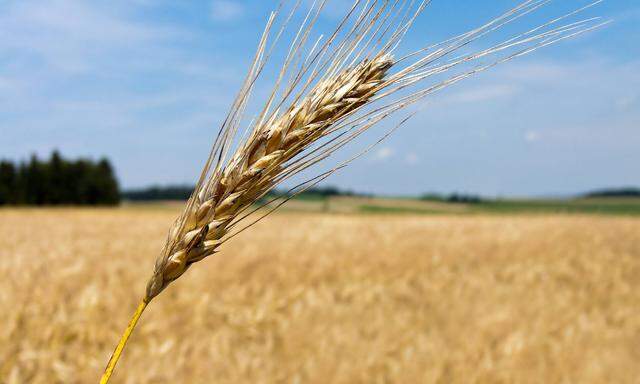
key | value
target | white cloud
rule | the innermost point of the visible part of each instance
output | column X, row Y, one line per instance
column 532, row 136
column 535, row 70
column 225, row 10
column 411, row 158
column 626, row 102
column 72, row 36
column 384, row 153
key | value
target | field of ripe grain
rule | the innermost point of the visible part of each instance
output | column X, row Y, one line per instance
column 311, row 298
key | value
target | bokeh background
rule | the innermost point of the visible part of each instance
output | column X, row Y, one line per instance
column 494, row 238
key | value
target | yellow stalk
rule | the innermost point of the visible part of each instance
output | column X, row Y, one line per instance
column 115, row 356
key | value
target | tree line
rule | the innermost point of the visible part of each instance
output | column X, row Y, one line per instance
column 615, row 192
column 182, row 192
column 453, row 198
column 58, row 181
column 173, row 192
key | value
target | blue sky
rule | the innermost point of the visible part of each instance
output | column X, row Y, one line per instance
column 147, row 84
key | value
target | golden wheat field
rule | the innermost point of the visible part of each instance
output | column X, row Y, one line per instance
column 313, row 298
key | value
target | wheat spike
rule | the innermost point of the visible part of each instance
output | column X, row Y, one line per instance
column 253, row 169
column 324, row 97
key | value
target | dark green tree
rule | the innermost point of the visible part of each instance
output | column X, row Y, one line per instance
column 57, row 188
column 36, row 182
column 8, row 182
column 109, row 193
column 58, row 181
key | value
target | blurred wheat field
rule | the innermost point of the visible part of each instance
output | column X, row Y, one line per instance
column 313, row 298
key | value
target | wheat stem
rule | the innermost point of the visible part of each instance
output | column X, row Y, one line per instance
column 115, row 356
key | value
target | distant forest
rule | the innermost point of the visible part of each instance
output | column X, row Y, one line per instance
column 175, row 192
column 453, row 198
column 58, row 181
column 617, row 192
column 182, row 192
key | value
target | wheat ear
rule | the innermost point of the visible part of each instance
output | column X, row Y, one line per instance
column 335, row 90
column 253, row 171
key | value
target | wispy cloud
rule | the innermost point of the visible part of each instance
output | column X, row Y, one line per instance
column 72, row 36
column 411, row 158
column 627, row 102
column 383, row 153
column 531, row 136
column 225, row 10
